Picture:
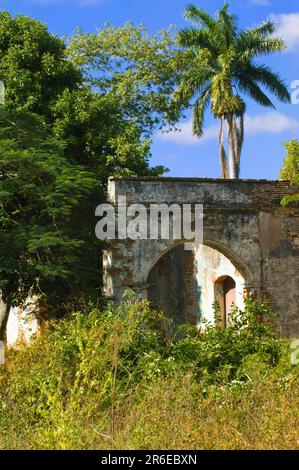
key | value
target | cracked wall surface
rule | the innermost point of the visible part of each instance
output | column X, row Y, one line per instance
column 243, row 220
column 22, row 322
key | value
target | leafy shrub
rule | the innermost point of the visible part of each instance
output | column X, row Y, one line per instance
column 290, row 169
column 110, row 379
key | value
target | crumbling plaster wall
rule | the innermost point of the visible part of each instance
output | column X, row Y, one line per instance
column 22, row 323
column 211, row 265
column 243, row 220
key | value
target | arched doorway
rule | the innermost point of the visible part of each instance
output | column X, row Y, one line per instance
column 225, row 295
column 183, row 284
column 172, row 286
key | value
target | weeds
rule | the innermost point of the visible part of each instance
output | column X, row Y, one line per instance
column 110, row 380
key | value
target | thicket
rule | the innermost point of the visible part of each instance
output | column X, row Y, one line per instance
column 111, row 380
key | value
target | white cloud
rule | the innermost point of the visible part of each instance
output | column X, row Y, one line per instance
column 271, row 122
column 260, row 2
column 288, row 29
column 185, row 137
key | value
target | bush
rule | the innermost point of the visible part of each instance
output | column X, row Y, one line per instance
column 290, row 169
column 110, row 379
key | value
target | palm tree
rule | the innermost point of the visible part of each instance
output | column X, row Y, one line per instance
column 218, row 65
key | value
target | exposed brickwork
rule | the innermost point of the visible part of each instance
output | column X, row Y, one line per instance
column 190, row 287
column 243, row 219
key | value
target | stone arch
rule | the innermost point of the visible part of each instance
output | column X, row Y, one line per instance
column 242, row 219
column 162, row 252
column 176, row 284
column 238, row 262
column 220, row 247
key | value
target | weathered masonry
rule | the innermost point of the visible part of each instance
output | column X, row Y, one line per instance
column 250, row 242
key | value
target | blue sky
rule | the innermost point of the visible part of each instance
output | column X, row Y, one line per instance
column 184, row 155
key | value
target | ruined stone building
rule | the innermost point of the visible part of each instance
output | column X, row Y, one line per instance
column 22, row 323
column 250, row 243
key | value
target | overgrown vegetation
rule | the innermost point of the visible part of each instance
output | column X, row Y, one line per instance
column 67, row 123
column 110, row 380
column 78, row 111
column 103, row 114
column 290, row 168
column 46, row 205
column 74, row 114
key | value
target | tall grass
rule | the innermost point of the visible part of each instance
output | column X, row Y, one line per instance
column 110, row 380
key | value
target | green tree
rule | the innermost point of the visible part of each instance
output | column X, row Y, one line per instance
column 129, row 64
column 46, row 240
column 218, row 67
column 98, row 135
column 99, row 129
column 132, row 76
column 290, row 168
column 93, row 128
column 33, row 65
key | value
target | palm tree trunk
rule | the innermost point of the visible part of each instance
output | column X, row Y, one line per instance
column 239, row 139
column 233, row 168
column 222, row 153
column 4, row 314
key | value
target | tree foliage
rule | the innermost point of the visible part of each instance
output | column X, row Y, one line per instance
column 98, row 129
column 290, row 168
column 127, row 63
column 99, row 136
column 62, row 133
column 46, row 243
column 33, row 65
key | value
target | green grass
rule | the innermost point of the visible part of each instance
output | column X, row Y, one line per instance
column 110, row 380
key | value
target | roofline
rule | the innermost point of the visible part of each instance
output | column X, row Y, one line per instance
column 195, row 180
